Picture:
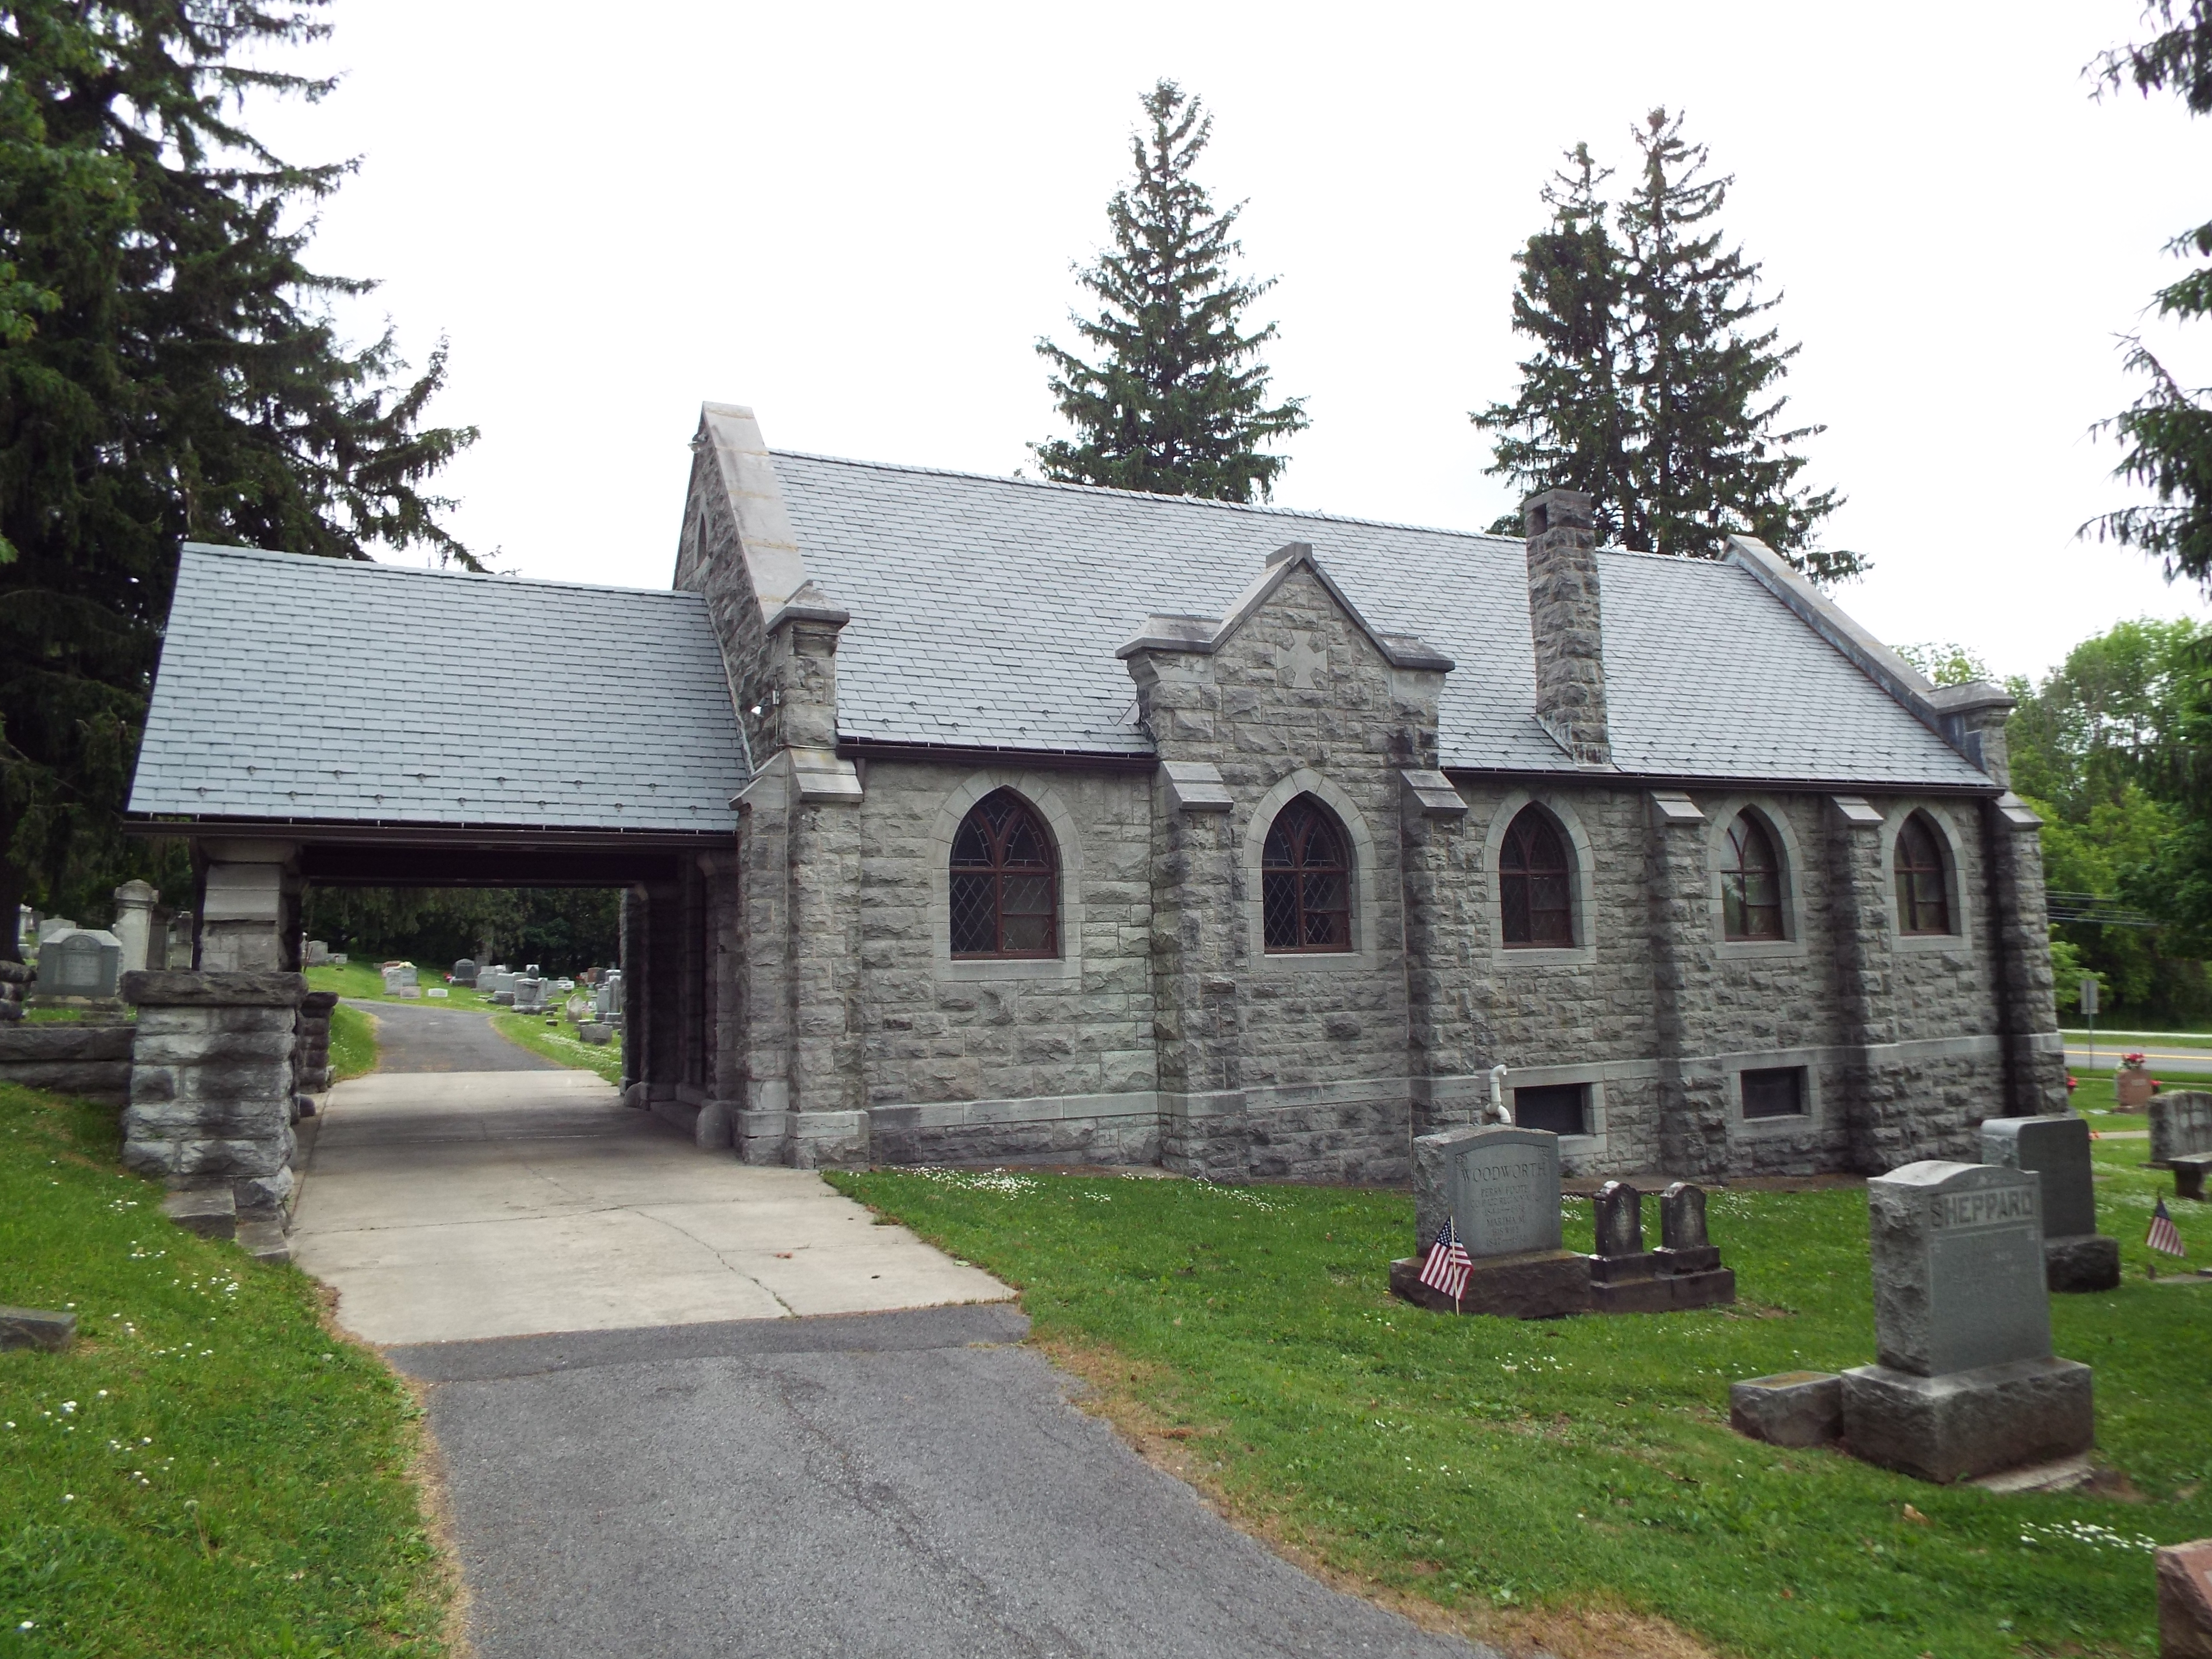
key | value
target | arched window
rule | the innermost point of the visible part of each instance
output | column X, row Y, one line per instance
column 1305, row 880
column 1005, row 882
column 1923, row 893
column 1751, row 882
column 1534, row 882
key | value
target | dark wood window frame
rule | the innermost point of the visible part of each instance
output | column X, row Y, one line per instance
column 1305, row 882
column 1923, row 876
column 1772, row 1091
column 1536, row 883
column 1751, row 882
column 1003, row 902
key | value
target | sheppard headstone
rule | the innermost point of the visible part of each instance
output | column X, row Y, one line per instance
column 2057, row 1151
column 1966, row 1384
column 1499, row 1186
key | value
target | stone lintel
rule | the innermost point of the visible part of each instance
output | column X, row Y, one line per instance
column 1431, row 794
column 1196, row 786
column 1857, row 812
column 1673, row 809
column 164, row 988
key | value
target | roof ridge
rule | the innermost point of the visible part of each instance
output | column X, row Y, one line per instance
column 499, row 579
column 1148, row 495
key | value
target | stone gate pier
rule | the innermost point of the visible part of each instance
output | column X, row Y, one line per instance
column 211, row 1099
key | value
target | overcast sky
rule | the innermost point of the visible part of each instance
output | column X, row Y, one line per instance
column 859, row 220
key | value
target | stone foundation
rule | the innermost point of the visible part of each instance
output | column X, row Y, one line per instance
column 91, row 1062
column 1969, row 1423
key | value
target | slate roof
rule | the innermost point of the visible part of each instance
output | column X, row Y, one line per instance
column 323, row 689
column 986, row 611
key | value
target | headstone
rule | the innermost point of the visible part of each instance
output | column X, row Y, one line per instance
column 318, row 953
column 2185, row 1599
column 2056, row 1150
column 1965, row 1383
column 529, row 994
column 86, row 963
column 337, row 958
column 607, row 997
column 134, row 923
column 438, row 991
column 1625, row 1278
column 532, row 971
column 398, row 975
column 53, row 927
column 2180, row 1125
column 592, row 1031
column 578, row 1009
column 180, row 943
column 49, row 1329
column 465, row 972
column 1500, row 1186
column 1619, row 1219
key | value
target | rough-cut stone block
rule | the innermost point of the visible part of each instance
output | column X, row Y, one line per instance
column 183, row 1119
column 53, row 1044
column 36, row 1328
column 262, row 1156
column 265, row 1240
column 1790, row 1408
column 1958, row 1267
column 1533, row 1284
column 2086, row 1261
column 2185, row 1599
column 2189, row 1173
column 259, row 1196
column 1968, row 1423
column 592, row 1031
column 210, row 1212
column 160, row 988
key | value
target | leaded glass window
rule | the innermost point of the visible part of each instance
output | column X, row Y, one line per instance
column 1005, row 882
column 1923, row 891
column 1305, row 880
column 1751, row 882
column 1535, row 882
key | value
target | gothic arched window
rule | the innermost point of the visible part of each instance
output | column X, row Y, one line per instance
column 1305, row 880
column 1005, row 882
column 1924, row 888
column 1535, row 882
column 1751, row 882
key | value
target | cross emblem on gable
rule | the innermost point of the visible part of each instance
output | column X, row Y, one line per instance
column 1303, row 659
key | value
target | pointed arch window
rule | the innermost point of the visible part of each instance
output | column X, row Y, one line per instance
column 1923, row 887
column 1535, row 882
column 1751, row 882
column 1004, row 890
column 1305, row 880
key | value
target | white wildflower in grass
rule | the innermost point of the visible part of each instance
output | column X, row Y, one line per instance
column 2088, row 1534
column 1003, row 1182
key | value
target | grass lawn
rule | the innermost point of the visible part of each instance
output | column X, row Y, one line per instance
column 208, row 1471
column 558, row 1043
column 1575, row 1482
column 353, row 1044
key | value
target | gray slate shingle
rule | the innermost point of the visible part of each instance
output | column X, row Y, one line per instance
column 305, row 688
column 987, row 610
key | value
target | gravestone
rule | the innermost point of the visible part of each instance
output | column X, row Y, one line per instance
column 53, row 927
column 398, row 975
column 592, row 1031
column 607, row 997
column 1685, row 1273
column 436, row 991
column 2180, row 1125
column 318, row 953
column 465, row 972
column 529, row 994
column 1500, row 1186
column 86, row 963
column 2055, row 1150
column 1965, row 1383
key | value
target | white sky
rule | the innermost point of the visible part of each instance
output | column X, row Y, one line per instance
column 858, row 219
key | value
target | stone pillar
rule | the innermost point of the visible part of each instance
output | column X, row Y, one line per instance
column 724, row 1021
column 1566, row 623
column 2020, row 928
column 211, row 1091
column 631, row 955
column 133, row 925
column 1859, row 926
column 656, row 1019
column 312, row 1054
column 1693, row 1116
column 249, row 913
column 762, row 973
column 1439, row 886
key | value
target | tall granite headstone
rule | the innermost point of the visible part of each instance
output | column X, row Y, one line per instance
column 2055, row 1149
column 465, row 972
column 1965, row 1383
column 83, row 962
column 1499, row 1186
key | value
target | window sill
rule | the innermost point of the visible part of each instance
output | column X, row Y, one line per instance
column 969, row 969
column 1543, row 956
column 1316, row 961
column 1924, row 943
column 1779, row 1125
column 1760, row 950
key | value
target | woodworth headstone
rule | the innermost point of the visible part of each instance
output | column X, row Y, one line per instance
column 2055, row 1149
column 1500, row 1186
column 1966, row 1384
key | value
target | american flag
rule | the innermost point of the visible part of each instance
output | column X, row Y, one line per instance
column 1448, row 1265
column 2162, row 1235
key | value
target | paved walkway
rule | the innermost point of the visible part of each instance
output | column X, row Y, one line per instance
column 415, row 1037
column 898, row 1485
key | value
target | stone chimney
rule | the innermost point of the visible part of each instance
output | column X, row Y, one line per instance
column 1563, row 623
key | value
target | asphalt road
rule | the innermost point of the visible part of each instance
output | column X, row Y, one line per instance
column 418, row 1037
column 905, row 1485
column 2164, row 1060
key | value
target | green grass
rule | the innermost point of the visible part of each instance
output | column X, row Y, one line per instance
column 1539, row 1468
column 208, row 1471
column 361, row 981
column 78, row 1016
column 560, row 1043
column 353, row 1044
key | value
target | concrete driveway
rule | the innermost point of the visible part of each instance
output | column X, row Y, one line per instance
column 449, row 1205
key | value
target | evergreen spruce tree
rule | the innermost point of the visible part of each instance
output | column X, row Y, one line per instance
column 1655, row 387
column 1177, row 402
column 2168, row 429
column 167, row 372
column 1567, row 426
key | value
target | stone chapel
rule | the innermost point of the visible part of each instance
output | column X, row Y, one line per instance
column 967, row 819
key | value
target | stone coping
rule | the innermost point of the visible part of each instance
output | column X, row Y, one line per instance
column 164, row 988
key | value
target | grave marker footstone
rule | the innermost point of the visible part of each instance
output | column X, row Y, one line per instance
column 1965, row 1383
column 2055, row 1149
column 1500, row 1186
column 1685, row 1273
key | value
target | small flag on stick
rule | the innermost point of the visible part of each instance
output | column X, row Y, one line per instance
column 1449, row 1266
column 2162, row 1236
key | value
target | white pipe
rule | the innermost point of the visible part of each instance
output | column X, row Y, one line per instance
column 1498, row 1095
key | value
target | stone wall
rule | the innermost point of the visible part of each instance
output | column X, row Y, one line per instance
column 91, row 1061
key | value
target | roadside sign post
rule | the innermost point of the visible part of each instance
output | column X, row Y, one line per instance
column 2089, row 1008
